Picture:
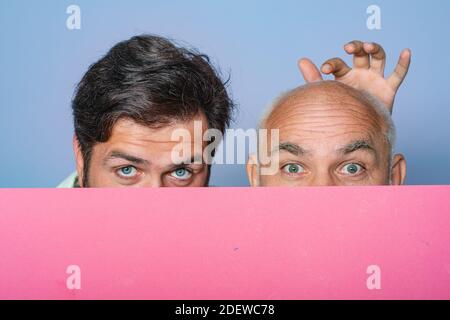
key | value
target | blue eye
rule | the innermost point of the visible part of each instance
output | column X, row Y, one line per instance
column 127, row 172
column 181, row 173
column 293, row 168
column 352, row 169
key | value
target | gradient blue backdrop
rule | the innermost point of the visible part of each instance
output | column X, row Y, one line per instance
column 258, row 42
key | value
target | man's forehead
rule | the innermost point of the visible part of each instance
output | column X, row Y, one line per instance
column 161, row 133
column 322, row 116
column 153, row 145
column 326, row 138
column 326, row 124
column 323, row 99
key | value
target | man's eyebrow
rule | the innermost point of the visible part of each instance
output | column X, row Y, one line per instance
column 123, row 155
column 290, row 147
column 361, row 144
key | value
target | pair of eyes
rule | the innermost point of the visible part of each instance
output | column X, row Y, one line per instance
column 350, row 169
column 130, row 172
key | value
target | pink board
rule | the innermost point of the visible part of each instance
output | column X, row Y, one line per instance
column 226, row 243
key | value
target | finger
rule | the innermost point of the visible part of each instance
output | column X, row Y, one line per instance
column 360, row 57
column 336, row 66
column 309, row 70
column 378, row 57
column 401, row 70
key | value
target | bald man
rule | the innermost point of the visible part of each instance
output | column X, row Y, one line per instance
column 334, row 133
column 330, row 134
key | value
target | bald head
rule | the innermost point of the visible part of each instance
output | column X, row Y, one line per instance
column 328, row 99
column 322, row 127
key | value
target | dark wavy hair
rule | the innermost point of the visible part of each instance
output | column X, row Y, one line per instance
column 151, row 81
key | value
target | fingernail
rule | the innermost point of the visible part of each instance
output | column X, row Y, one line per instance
column 326, row 68
column 406, row 52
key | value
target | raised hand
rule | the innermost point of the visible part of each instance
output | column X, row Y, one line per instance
column 369, row 61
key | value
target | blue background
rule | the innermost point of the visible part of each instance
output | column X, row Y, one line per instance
column 257, row 42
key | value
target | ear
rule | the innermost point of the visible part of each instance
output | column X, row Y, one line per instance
column 398, row 172
column 252, row 171
column 79, row 161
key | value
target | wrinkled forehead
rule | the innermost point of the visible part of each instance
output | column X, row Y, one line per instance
column 326, row 121
column 155, row 145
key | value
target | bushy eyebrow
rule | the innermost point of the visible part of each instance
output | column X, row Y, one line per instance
column 295, row 149
column 290, row 147
column 140, row 161
column 358, row 145
column 125, row 156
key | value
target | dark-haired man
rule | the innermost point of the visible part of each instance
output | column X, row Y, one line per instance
column 127, row 107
